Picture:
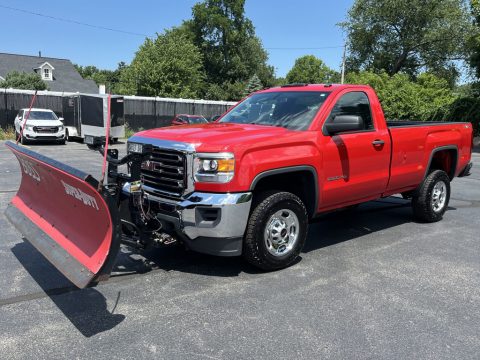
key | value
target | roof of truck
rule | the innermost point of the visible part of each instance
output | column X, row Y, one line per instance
column 314, row 87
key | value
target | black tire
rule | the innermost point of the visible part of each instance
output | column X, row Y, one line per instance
column 255, row 250
column 23, row 140
column 423, row 198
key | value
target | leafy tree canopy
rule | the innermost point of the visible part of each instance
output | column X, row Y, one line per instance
column 310, row 69
column 407, row 35
column 109, row 78
column 232, row 53
column 427, row 98
column 23, row 80
column 474, row 41
column 170, row 66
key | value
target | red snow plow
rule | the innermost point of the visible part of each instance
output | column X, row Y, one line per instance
column 60, row 210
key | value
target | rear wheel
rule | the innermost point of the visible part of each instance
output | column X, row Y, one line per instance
column 430, row 200
column 276, row 231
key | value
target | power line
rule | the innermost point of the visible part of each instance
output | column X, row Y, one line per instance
column 72, row 21
column 140, row 34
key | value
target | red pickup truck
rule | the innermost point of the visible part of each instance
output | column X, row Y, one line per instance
column 249, row 183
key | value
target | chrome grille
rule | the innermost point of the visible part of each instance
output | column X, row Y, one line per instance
column 164, row 173
column 45, row 129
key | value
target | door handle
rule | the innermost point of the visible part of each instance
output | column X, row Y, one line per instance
column 378, row 142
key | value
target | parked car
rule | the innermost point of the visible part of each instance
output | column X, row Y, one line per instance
column 184, row 119
column 246, row 185
column 42, row 124
column 213, row 118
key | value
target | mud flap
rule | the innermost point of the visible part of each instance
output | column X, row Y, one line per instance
column 59, row 210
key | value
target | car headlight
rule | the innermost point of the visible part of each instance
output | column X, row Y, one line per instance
column 214, row 167
column 134, row 148
column 29, row 127
column 60, row 128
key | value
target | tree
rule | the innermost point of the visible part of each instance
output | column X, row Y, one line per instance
column 407, row 35
column 232, row 53
column 311, row 70
column 427, row 98
column 474, row 41
column 170, row 66
column 110, row 78
column 254, row 84
column 23, row 80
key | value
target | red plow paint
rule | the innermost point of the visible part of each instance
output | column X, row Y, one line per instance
column 63, row 212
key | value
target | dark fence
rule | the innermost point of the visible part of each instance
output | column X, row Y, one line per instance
column 139, row 112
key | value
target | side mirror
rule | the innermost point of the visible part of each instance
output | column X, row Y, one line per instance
column 61, row 119
column 344, row 123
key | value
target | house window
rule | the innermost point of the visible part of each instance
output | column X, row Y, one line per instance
column 46, row 73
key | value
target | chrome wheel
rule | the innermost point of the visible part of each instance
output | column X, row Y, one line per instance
column 281, row 232
column 439, row 196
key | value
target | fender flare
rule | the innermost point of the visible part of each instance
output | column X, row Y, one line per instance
column 451, row 173
column 286, row 170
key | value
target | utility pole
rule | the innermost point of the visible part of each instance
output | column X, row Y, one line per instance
column 343, row 62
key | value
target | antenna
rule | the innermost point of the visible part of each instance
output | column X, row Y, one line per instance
column 343, row 62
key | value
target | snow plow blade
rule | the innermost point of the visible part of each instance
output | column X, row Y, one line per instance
column 59, row 211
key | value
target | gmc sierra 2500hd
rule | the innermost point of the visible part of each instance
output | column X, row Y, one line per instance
column 247, row 184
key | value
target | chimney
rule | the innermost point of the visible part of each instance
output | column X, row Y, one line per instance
column 39, row 54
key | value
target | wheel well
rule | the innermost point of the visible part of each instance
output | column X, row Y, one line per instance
column 445, row 160
column 301, row 183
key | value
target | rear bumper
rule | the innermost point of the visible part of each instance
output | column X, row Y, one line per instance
column 466, row 170
column 209, row 223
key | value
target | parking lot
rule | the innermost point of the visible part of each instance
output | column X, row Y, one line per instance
column 371, row 284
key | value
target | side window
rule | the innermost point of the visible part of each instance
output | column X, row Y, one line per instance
column 354, row 103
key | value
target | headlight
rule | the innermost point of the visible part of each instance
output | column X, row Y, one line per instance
column 214, row 167
column 139, row 148
column 134, row 148
column 60, row 128
column 29, row 127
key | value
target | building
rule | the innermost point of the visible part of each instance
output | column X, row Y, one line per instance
column 59, row 74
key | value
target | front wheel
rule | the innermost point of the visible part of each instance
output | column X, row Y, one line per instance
column 430, row 200
column 276, row 231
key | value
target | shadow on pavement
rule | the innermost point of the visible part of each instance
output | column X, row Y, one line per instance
column 86, row 309
column 327, row 230
column 345, row 225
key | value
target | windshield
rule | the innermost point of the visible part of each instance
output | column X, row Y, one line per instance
column 41, row 115
column 197, row 120
column 293, row 110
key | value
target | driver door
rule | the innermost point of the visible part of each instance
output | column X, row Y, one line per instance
column 356, row 164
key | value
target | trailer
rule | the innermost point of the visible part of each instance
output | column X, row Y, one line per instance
column 88, row 115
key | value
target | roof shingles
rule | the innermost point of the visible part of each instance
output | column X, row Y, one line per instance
column 65, row 76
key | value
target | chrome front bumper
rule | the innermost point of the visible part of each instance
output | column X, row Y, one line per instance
column 207, row 222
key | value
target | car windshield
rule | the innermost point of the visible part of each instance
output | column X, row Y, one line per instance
column 293, row 110
column 197, row 120
column 41, row 115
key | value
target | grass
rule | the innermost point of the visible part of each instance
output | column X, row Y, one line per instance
column 130, row 132
column 7, row 134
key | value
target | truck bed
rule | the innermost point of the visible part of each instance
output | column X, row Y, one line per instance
column 412, row 150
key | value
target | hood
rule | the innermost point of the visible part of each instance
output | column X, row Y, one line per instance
column 215, row 137
column 44, row 122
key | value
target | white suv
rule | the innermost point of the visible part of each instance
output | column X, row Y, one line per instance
column 42, row 124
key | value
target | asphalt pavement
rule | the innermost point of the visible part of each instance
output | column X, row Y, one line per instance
column 371, row 283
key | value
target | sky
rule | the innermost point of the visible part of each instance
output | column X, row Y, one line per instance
column 288, row 29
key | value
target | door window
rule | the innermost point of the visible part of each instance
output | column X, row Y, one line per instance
column 354, row 103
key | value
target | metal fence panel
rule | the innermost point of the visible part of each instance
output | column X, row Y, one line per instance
column 139, row 112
